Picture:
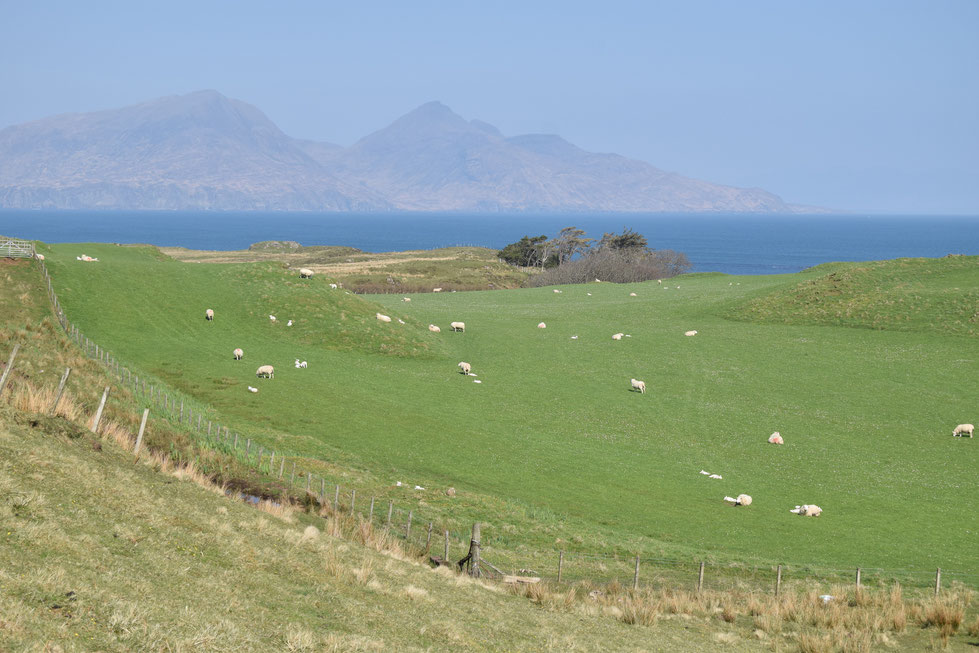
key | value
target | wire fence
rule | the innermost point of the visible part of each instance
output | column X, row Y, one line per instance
column 444, row 538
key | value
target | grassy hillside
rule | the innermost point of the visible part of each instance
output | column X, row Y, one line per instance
column 554, row 430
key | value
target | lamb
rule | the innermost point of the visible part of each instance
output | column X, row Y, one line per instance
column 557, row 291
column 776, row 438
column 810, row 510
column 383, row 318
column 434, row 329
column 458, row 326
column 436, row 290
column 333, row 286
column 639, row 385
column 266, row 371
column 300, row 364
column 406, row 299
column 541, row 326
column 238, row 354
column 963, row 429
column 305, row 273
column 289, row 323
column 251, row 389
column 632, row 294
column 400, row 321
column 617, row 336
column 39, row 257
column 741, row 500
column 659, row 281
column 465, row 367
column 690, row 333
column 716, row 477
column 272, row 318
column 209, row 314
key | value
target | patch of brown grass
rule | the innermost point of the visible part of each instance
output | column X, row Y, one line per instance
column 814, row 643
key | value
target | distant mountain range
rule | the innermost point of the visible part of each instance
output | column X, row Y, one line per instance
column 206, row 151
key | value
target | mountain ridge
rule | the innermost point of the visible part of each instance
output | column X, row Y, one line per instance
column 206, row 151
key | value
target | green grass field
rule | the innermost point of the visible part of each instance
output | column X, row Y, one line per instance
column 866, row 413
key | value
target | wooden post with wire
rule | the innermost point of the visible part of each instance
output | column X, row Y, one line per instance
column 778, row 580
column 471, row 561
column 635, row 577
column 98, row 413
column 700, row 577
column 10, row 366
column 142, row 429
column 560, row 565
column 61, row 390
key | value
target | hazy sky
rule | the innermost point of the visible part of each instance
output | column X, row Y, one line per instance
column 864, row 105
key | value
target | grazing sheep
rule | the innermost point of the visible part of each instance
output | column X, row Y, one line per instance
column 209, row 314
column 458, row 326
column 289, row 323
column 451, row 492
column 632, row 294
column 383, row 318
column 239, row 354
column 557, row 291
column 305, row 273
column 810, row 510
column 272, row 318
column 406, row 299
column 639, row 385
column 589, row 294
column 659, row 281
column 418, row 487
column 776, row 438
column 302, row 365
column 266, row 371
column 716, row 476
column 39, row 257
column 541, row 326
column 574, row 337
column 400, row 321
column 434, row 329
column 741, row 500
column 617, row 336
column 690, row 333
column 333, row 286
column 251, row 389
column 465, row 367
column 477, row 380
column 436, row 290
column 963, row 429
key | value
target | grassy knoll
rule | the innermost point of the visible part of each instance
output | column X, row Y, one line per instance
column 451, row 268
column 572, row 457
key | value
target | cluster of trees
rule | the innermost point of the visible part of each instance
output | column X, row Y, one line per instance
column 572, row 258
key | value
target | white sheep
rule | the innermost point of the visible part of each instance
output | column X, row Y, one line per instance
column 740, row 500
column 617, row 336
column 963, row 429
column 808, row 510
column 776, row 438
column 383, row 318
column 289, row 323
column 690, row 333
column 209, row 314
column 434, row 329
column 659, row 281
column 239, row 354
column 266, row 371
column 639, row 385
column 302, row 364
column 541, row 326
column 465, row 367
column 717, row 477
column 589, row 294
column 632, row 294
column 436, row 290
column 39, row 257
column 458, row 326
column 406, row 299
column 476, row 380
column 400, row 321
column 333, row 286
column 272, row 318
column 251, row 389
column 305, row 273
column 557, row 291
column 574, row 337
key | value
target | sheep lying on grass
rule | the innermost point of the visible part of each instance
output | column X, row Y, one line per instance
column 271, row 318
column 265, row 371
column 963, row 429
column 465, row 367
column 305, row 273
column 808, row 510
column 776, row 438
column 741, row 500
column 690, row 333
column 541, row 326
column 458, row 326
column 406, row 299
column 617, row 336
column 300, row 364
column 383, row 318
column 333, row 286
column 639, row 385
column 434, row 329
column 209, row 314
column 632, row 294
column 239, row 354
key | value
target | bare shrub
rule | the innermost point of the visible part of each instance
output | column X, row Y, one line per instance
column 615, row 265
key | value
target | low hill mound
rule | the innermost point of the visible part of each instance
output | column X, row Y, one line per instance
column 908, row 294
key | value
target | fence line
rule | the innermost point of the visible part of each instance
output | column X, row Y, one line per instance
column 559, row 566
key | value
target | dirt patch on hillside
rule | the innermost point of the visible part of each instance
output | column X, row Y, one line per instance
column 14, row 261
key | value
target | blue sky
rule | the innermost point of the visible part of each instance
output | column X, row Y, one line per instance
column 869, row 106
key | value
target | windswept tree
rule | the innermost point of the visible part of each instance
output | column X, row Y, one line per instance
column 530, row 252
column 570, row 242
column 627, row 240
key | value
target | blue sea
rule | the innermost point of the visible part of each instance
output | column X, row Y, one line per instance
column 735, row 244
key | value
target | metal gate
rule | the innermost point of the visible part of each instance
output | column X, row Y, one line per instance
column 16, row 248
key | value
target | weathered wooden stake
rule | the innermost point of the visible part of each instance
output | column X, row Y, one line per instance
column 336, row 500
column 98, row 413
column 208, row 428
column 61, row 390
column 236, row 441
column 778, row 580
column 428, row 542
column 323, row 491
column 472, row 558
column 938, row 581
column 200, row 417
column 560, row 565
column 370, row 515
column 353, row 500
column 700, row 577
column 445, row 549
column 408, row 527
column 390, row 511
column 248, row 446
column 308, row 481
column 635, row 577
column 10, row 366
column 272, row 464
column 142, row 428
column 181, row 411
column 858, row 579
column 282, row 465
column 292, row 477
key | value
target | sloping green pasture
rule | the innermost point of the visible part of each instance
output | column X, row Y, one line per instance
column 866, row 414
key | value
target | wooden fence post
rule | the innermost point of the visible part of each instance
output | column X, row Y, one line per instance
column 938, row 581
column 282, row 465
column 858, row 580
column 200, row 416
column 778, row 580
column 322, row 491
column 445, row 550
column 428, row 542
column 61, row 389
column 309, row 478
column 10, row 366
column 390, row 510
column 370, row 517
column 292, row 477
column 248, row 447
column 236, row 446
column 408, row 527
column 700, row 577
column 353, row 500
column 272, row 464
column 142, row 428
column 635, row 577
column 472, row 558
column 560, row 565
column 208, row 428
column 181, row 411
column 98, row 413
column 336, row 500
